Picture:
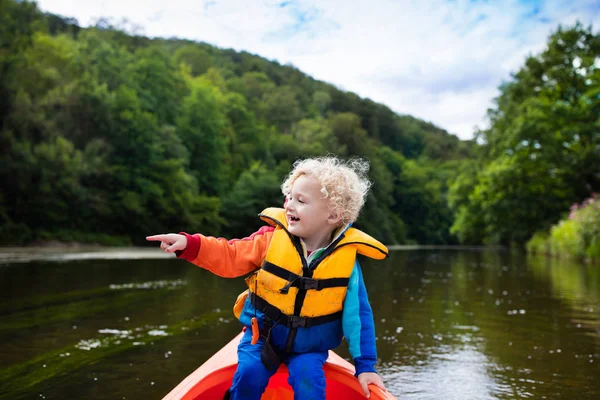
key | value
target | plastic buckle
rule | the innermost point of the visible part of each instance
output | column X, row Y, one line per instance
column 309, row 283
column 296, row 322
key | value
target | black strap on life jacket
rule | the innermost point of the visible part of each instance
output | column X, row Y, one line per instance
column 307, row 272
column 270, row 356
column 303, row 282
column 291, row 321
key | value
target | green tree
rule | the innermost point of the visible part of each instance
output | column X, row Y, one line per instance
column 517, row 196
column 178, row 206
column 197, row 58
column 256, row 189
column 18, row 22
column 420, row 201
column 314, row 137
column 256, row 85
column 468, row 224
column 201, row 127
column 347, row 129
column 107, row 62
column 551, row 109
column 282, row 108
column 158, row 84
column 541, row 152
column 321, row 100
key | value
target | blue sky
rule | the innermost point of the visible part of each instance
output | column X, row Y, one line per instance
column 441, row 61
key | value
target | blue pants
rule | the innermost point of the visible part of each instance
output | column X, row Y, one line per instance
column 251, row 377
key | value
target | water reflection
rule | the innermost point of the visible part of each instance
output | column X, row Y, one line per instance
column 444, row 370
column 480, row 325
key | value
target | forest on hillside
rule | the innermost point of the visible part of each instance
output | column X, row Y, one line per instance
column 107, row 136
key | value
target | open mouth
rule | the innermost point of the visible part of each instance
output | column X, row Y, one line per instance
column 294, row 219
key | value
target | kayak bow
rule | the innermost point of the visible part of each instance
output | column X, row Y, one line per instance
column 212, row 379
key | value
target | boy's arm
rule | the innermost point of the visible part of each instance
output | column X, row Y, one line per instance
column 358, row 324
column 228, row 258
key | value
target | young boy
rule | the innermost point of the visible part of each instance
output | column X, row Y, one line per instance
column 307, row 289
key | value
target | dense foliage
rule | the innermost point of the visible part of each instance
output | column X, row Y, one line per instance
column 107, row 137
column 577, row 236
column 542, row 150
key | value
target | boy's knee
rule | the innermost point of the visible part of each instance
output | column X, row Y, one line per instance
column 307, row 378
column 249, row 382
column 308, row 386
column 308, row 382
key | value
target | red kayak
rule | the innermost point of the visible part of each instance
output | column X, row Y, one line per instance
column 214, row 377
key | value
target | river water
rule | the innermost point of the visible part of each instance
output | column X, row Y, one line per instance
column 451, row 324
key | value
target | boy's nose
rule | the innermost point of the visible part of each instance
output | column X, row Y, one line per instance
column 286, row 202
column 288, row 205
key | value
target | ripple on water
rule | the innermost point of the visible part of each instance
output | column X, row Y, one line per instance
column 161, row 284
column 466, row 328
column 157, row 332
column 447, row 369
column 138, row 336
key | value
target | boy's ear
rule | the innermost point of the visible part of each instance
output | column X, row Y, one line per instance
column 335, row 217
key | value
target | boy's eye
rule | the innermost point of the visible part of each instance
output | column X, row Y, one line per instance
column 300, row 201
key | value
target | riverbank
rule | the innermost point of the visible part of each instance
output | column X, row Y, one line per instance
column 58, row 251
column 9, row 255
column 577, row 236
column 441, row 247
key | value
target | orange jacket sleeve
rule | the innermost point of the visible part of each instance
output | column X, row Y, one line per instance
column 228, row 258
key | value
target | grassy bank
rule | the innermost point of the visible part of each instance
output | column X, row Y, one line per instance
column 577, row 236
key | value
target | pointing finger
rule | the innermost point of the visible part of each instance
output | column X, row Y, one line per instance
column 156, row 238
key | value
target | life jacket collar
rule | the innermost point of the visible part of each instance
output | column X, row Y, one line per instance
column 365, row 244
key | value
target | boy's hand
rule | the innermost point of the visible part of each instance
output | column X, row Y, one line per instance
column 170, row 242
column 369, row 377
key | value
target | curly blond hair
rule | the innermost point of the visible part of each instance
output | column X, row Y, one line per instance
column 344, row 183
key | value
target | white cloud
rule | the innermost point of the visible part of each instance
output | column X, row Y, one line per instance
column 437, row 60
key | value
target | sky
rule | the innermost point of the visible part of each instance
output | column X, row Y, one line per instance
column 438, row 60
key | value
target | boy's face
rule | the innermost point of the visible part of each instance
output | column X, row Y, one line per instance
column 308, row 214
